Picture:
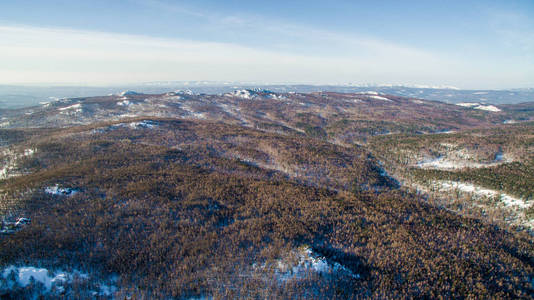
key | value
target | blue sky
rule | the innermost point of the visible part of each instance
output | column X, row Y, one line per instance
column 468, row 44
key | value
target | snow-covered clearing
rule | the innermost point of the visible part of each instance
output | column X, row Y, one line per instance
column 479, row 106
column 10, row 162
column 467, row 104
column 145, row 124
column 23, row 277
column 302, row 262
column 142, row 124
column 479, row 191
column 53, row 282
column 444, row 163
column 488, row 108
column 255, row 93
column 380, row 98
column 71, row 109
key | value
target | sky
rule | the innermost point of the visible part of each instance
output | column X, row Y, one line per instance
column 467, row 44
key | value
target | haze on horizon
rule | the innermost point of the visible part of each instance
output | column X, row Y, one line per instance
column 470, row 44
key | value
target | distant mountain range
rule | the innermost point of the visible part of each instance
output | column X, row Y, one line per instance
column 23, row 96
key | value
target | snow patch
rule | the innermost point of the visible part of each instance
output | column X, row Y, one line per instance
column 22, row 221
column 198, row 116
column 145, row 124
column 124, row 103
column 445, row 131
column 23, row 276
column 255, row 93
column 276, row 97
column 142, row 124
column 467, row 104
column 302, row 262
column 380, row 98
column 53, row 282
column 72, row 109
column 59, row 191
column 10, row 162
column 439, row 163
column 181, row 93
column 488, row 108
column 444, row 163
column 479, row 106
column 74, row 106
column 8, row 227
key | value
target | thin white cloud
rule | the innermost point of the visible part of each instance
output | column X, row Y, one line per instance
column 55, row 55
column 62, row 52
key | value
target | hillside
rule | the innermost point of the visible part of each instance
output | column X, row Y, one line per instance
column 255, row 193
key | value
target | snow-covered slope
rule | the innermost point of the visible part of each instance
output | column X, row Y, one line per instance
column 480, row 106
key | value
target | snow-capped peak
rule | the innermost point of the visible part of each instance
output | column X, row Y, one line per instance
column 128, row 93
column 254, row 93
column 182, row 93
column 244, row 94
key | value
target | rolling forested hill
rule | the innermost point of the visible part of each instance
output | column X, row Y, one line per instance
column 256, row 194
